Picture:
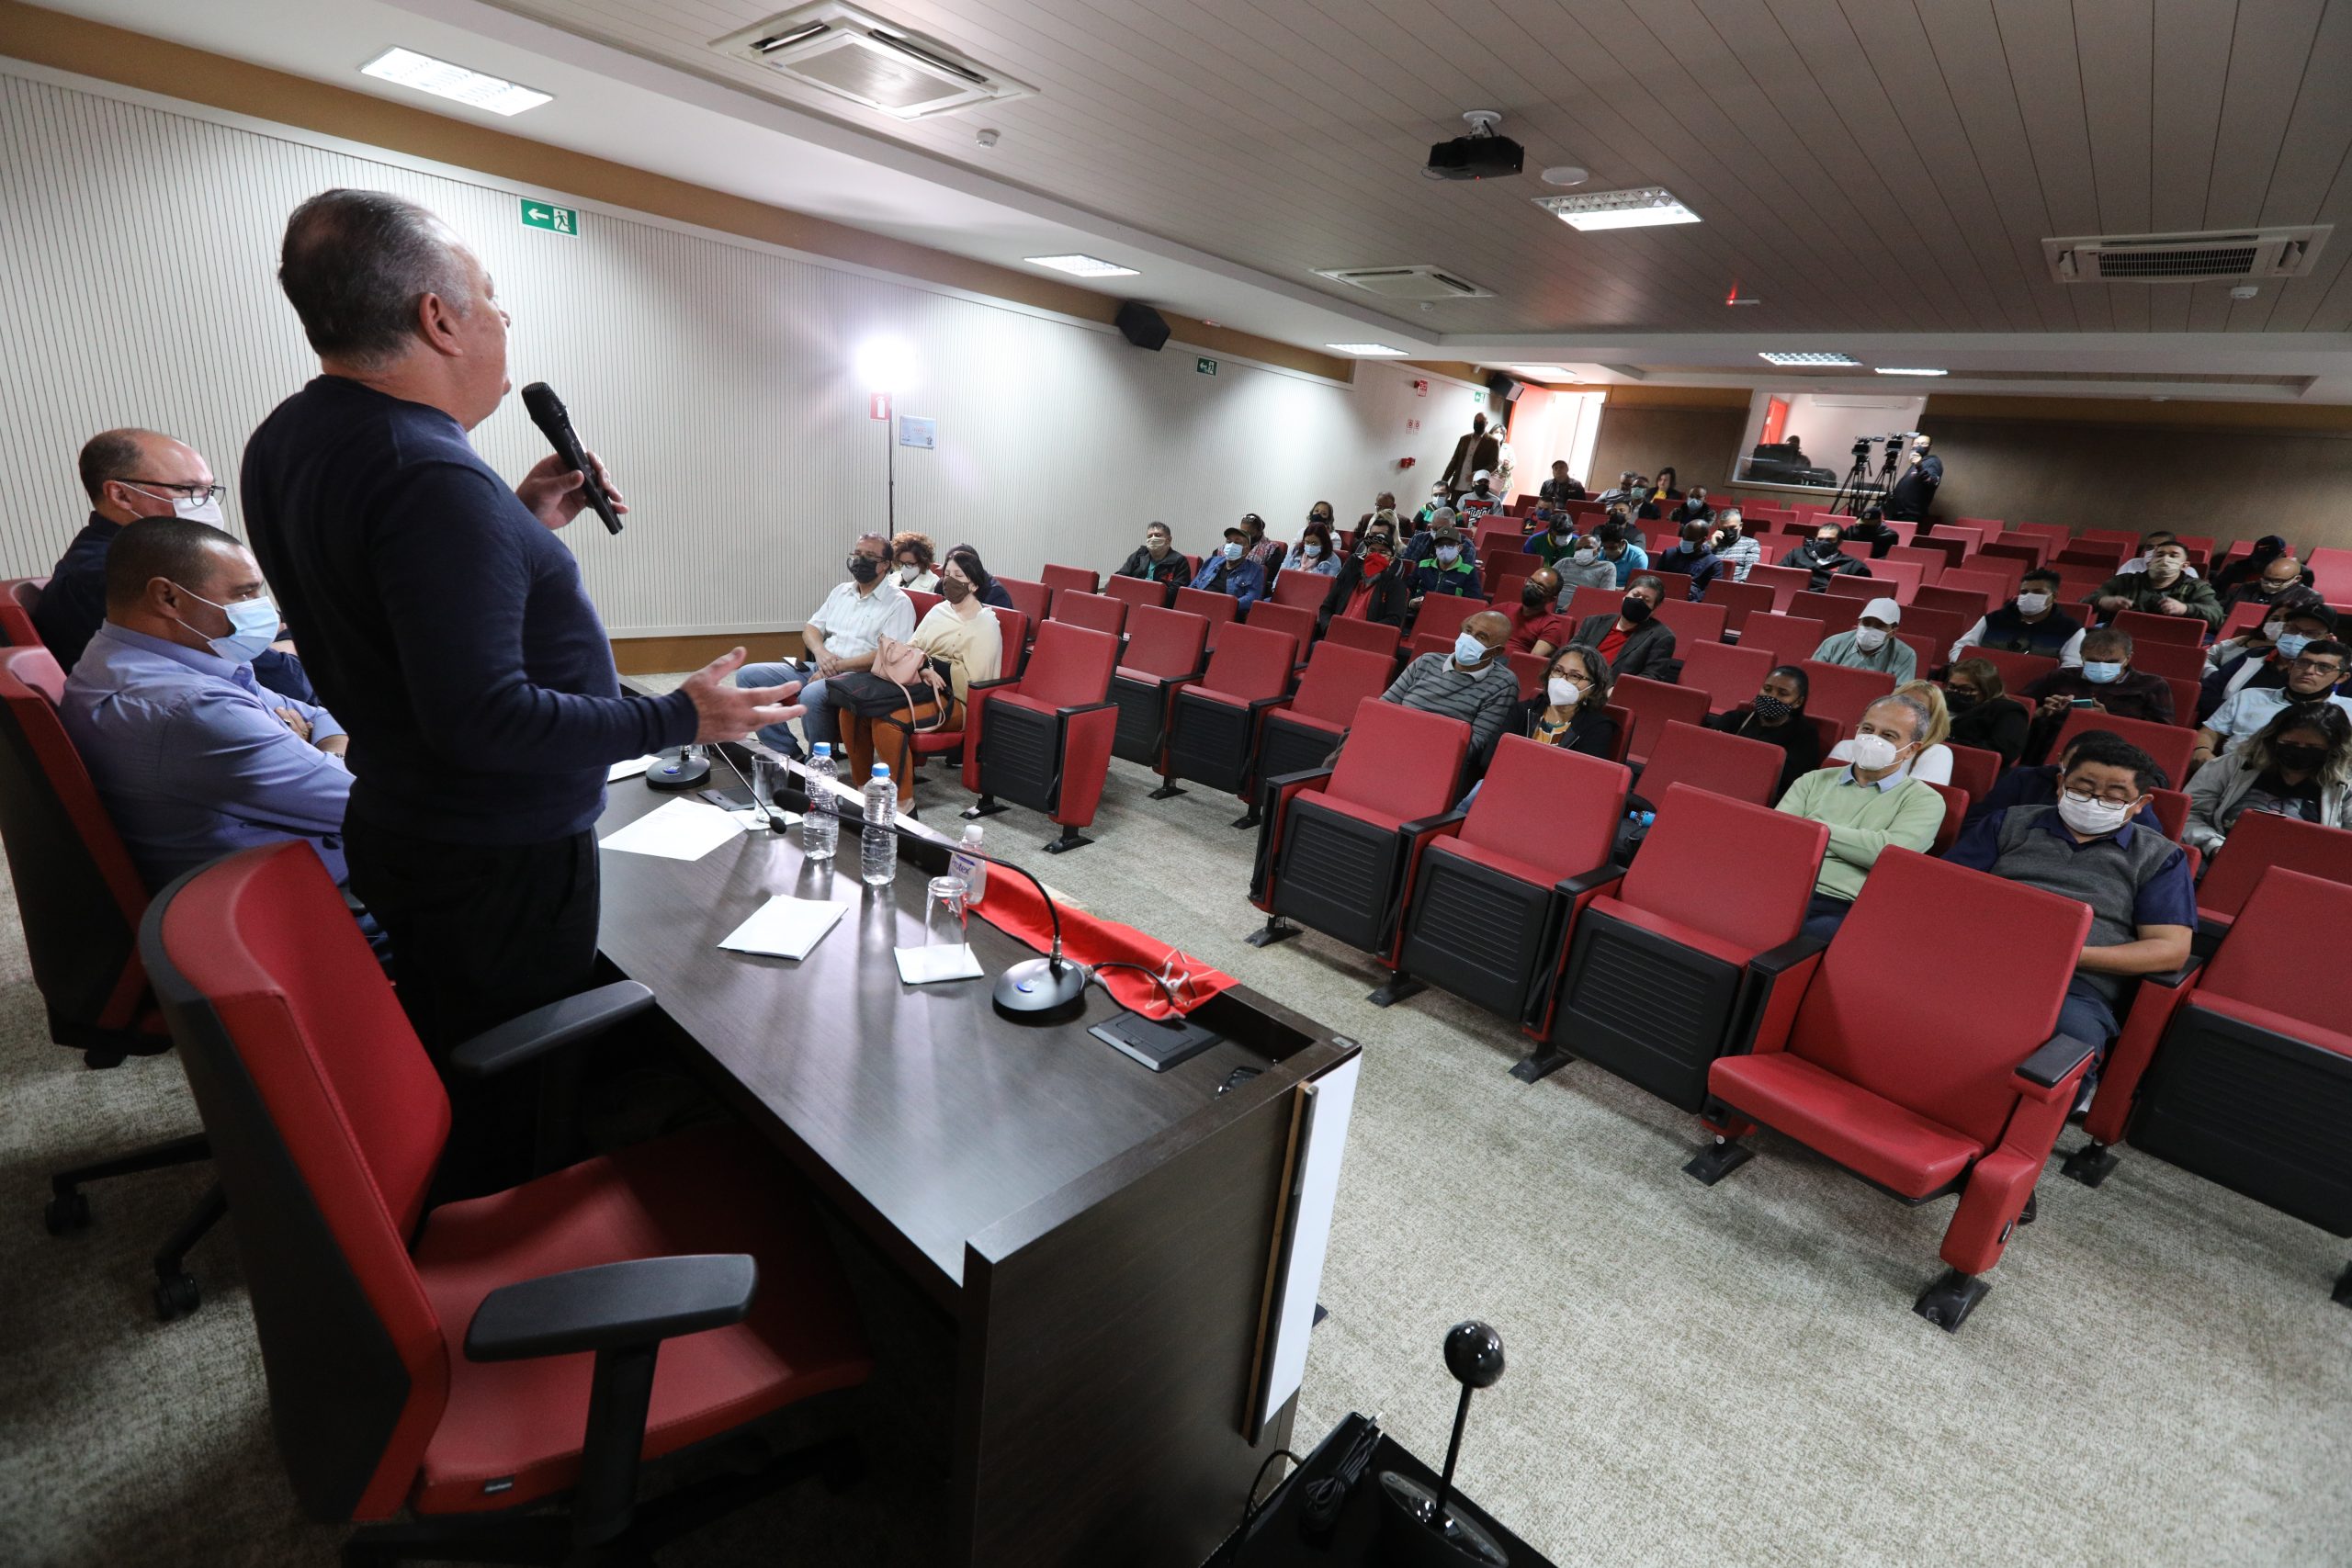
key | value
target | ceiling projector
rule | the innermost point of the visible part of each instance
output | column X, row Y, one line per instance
column 1480, row 155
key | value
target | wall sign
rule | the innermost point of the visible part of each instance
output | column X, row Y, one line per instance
column 1420, row 388
column 548, row 216
column 914, row 432
column 1204, row 367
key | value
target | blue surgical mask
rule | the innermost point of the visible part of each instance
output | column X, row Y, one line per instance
column 1232, row 549
column 2101, row 674
column 2292, row 643
column 1468, row 649
column 253, row 626
column 1448, row 553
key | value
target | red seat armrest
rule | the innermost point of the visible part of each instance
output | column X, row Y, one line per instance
column 1777, row 979
column 2152, row 1006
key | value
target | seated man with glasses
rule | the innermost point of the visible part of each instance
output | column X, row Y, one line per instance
column 131, row 474
column 2312, row 676
column 2096, row 847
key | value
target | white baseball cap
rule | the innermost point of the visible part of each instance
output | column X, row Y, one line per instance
column 1481, row 474
column 1885, row 610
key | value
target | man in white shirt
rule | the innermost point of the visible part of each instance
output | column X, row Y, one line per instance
column 840, row 637
column 2311, row 677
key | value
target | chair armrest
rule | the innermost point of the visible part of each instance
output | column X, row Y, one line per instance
column 1083, row 708
column 992, row 685
column 612, row 1306
column 1594, row 880
column 1282, row 782
column 1428, row 825
column 2174, row 979
column 1260, row 704
column 545, row 1029
column 2058, row 1059
column 1788, row 956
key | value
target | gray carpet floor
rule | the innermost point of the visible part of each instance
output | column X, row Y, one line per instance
column 1730, row 1374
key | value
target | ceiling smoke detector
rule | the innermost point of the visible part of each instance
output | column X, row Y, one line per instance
column 856, row 55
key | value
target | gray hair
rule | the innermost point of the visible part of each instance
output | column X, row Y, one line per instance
column 355, row 262
column 1920, row 718
column 881, row 539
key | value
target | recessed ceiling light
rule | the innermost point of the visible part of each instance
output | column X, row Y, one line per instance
column 1618, row 209
column 1809, row 358
column 1891, row 370
column 1364, row 348
column 1082, row 267
column 443, row 80
column 1565, row 175
column 1542, row 372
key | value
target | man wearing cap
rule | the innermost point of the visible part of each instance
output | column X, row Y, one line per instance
column 1230, row 571
column 1450, row 567
column 1872, row 644
column 1480, row 500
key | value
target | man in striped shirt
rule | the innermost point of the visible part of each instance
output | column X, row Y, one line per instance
column 1473, row 683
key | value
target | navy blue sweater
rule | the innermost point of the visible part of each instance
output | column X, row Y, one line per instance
column 443, row 623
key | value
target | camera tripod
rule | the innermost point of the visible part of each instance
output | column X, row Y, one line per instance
column 1854, row 489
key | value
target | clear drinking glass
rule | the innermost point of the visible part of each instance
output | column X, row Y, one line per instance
column 942, row 913
column 767, row 780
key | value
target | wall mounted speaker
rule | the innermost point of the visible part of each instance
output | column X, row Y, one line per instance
column 1142, row 325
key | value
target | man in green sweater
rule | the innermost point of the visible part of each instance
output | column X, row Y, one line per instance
column 1868, row 804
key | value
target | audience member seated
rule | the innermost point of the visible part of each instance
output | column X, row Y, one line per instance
column 1473, row 683
column 1571, row 710
column 2149, row 542
column 2105, row 681
column 192, row 756
column 840, row 637
column 130, row 473
column 1441, row 500
column 2164, row 586
column 964, row 641
column 1633, row 640
column 1650, row 496
column 1738, row 552
column 2311, row 677
column 1870, row 531
column 2276, row 579
column 1582, row 565
column 1265, row 554
column 1374, row 583
column 915, row 556
column 1694, row 556
column 2259, row 658
column 1824, row 555
column 1385, row 502
column 1448, row 569
column 1982, row 715
column 1416, row 548
column 1559, row 489
column 1315, row 556
column 1776, row 716
column 1867, row 804
column 2300, row 766
column 2256, row 563
column 1481, row 500
column 1556, row 540
column 2036, row 783
column 1872, row 644
column 1627, row 489
column 1231, row 571
column 1155, row 560
column 1695, row 509
column 1536, row 626
column 2087, row 848
column 1618, row 552
column 2031, row 623
column 992, row 593
column 1932, row 762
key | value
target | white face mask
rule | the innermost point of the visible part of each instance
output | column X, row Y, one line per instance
column 908, row 574
column 1563, row 691
column 2032, row 603
column 1586, row 555
column 1869, row 639
column 195, row 508
column 2094, row 818
column 1874, row 753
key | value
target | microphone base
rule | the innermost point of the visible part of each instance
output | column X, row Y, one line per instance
column 675, row 770
column 1032, row 991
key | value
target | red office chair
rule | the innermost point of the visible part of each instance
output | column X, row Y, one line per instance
column 2257, row 841
column 2169, row 744
column 435, row 1362
column 1654, row 705
column 1492, row 902
column 1302, row 590
column 1043, row 739
column 1095, row 611
column 1138, row 593
column 1212, row 723
column 1706, row 759
column 81, row 899
column 1060, row 580
column 1163, row 652
column 1672, row 960
column 1788, row 638
column 1842, row 694
column 1220, row 610
column 1297, row 736
column 2189, row 631
column 1919, row 1078
column 2240, row 1072
column 1338, row 846
column 19, row 595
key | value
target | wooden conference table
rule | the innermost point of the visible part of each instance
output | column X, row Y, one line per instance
column 1104, row 1238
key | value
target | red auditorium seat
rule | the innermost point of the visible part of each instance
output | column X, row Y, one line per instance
column 1338, row 846
column 1492, row 902
column 1664, row 966
column 1095, row 611
column 1299, row 735
column 1705, row 759
column 2240, row 1071
column 1043, row 739
column 1790, row 640
column 1729, row 675
column 1295, row 623
column 2169, row 744
column 2173, row 660
column 923, row 601
column 2017, row 671
column 1220, row 610
column 1213, row 722
column 1975, row 770
column 1956, row 801
column 1785, row 581
column 2187, row 630
column 1841, row 693
column 2258, row 841
column 1836, row 611
column 1301, row 590
column 1916, row 1075
column 1943, row 628
column 1029, row 598
column 1589, row 601
column 18, row 597
column 1969, row 604
column 1372, row 637
column 1692, row 623
column 1164, row 651
column 1138, row 591
column 1739, row 600
column 1654, row 705
column 1059, row 580
column 435, row 1361
column 1442, row 616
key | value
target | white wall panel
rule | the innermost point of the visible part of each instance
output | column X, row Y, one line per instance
column 139, row 240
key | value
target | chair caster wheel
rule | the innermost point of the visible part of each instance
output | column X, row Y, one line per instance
column 66, row 1213
column 176, row 1296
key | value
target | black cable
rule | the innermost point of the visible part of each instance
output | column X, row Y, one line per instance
column 1249, row 1499
column 768, row 811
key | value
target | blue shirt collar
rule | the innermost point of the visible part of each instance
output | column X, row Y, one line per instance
column 1903, row 772
column 205, row 663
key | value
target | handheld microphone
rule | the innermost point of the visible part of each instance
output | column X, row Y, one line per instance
column 547, row 411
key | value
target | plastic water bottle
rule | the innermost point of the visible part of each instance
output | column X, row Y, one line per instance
column 965, row 863
column 877, row 855
column 819, row 833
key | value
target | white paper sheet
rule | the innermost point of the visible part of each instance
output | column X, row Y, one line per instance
column 784, row 927
column 683, row 829
column 928, row 966
column 620, row 770
column 1315, row 1189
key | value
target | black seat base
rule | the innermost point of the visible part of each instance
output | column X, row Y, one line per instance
column 1478, row 932
column 1021, row 757
column 1717, row 1161
column 2090, row 1165
column 1337, row 875
column 1141, row 706
column 1208, row 742
column 1647, row 1009
column 1948, row 1301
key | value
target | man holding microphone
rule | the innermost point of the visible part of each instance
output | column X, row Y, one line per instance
column 446, row 626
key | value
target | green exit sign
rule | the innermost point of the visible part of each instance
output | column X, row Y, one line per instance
column 1206, row 367
column 548, row 216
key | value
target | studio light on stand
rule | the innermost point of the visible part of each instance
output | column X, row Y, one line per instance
column 886, row 367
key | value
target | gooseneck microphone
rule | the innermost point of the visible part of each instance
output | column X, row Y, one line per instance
column 547, row 412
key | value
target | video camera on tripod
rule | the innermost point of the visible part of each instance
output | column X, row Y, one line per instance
column 1895, row 442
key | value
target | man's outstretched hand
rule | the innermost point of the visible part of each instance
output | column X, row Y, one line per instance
column 723, row 712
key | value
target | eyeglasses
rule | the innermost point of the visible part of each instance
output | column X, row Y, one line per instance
column 193, row 491
column 2316, row 666
column 2114, row 795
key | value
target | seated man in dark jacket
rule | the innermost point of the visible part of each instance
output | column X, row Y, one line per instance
column 1694, row 557
column 1156, row 560
column 1373, row 582
column 1450, row 568
column 1633, row 640
column 1824, row 555
column 1231, row 571
column 2258, row 657
column 2106, row 683
column 2165, row 587
column 2031, row 623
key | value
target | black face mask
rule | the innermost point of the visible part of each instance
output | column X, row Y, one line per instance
column 1961, row 702
column 1635, row 609
column 1534, row 597
column 866, row 569
column 2300, row 759
column 1770, row 710
column 1825, row 547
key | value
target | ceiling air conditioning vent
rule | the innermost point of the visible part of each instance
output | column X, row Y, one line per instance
column 1406, row 282
column 2220, row 254
column 845, row 52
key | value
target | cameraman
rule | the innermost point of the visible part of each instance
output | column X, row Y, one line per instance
column 1914, row 492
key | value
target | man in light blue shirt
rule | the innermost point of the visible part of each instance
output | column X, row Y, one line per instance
column 193, row 757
